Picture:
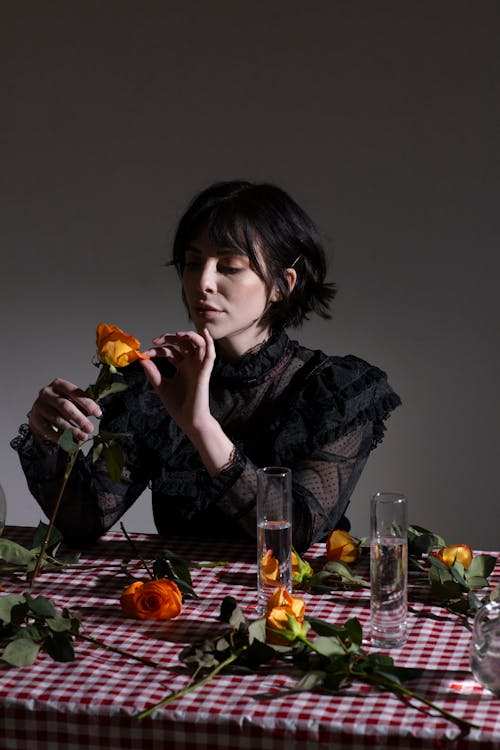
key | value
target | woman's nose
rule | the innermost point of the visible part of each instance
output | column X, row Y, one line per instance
column 207, row 278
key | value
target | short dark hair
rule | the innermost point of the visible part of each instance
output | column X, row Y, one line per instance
column 265, row 223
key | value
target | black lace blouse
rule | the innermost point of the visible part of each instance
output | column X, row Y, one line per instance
column 283, row 405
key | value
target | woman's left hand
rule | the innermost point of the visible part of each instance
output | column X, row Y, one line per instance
column 186, row 394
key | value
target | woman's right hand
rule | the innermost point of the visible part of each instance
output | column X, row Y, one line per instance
column 59, row 406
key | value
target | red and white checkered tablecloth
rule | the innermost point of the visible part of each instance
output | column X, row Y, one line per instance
column 92, row 702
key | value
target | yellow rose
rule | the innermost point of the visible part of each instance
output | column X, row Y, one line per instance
column 269, row 568
column 114, row 347
column 341, row 546
column 153, row 600
column 285, row 614
column 460, row 552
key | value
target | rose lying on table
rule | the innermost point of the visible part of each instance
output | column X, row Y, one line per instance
column 340, row 545
column 284, row 617
column 454, row 572
column 154, row 600
column 461, row 553
column 329, row 660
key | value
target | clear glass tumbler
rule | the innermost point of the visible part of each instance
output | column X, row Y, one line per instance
column 388, row 569
column 274, row 532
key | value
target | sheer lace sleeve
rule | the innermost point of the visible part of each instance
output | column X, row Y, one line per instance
column 91, row 503
column 323, row 426
column 322, row 487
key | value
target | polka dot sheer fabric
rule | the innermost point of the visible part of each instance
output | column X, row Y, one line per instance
column 283, row 405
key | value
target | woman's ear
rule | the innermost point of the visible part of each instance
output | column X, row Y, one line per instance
column 291, row 277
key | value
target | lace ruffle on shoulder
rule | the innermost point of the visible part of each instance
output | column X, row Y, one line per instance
column 335, row 397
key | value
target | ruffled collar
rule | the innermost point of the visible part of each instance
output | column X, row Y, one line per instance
column 255, row 365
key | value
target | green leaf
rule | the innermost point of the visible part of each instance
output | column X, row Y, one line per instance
column 39, row 536
column 58, row 624
column 311, row 681
column 477, row 582
column 482, row 566
column 328, row 645
column 70, row 559
column 97, row 450
column 421, row 541
column 436, row 563
column 161, row 569
column 237, row 619
column 15, row 553
column 344, row 572
column 448, row 590
column 7, row 603
column 18, row 613
column 184, row 587
column 389, row 676
column 380, row 659
column 33, row 631
column 41, row 606
column 21, row 652
column 334, row 681
column 322, row 627
column 354, row 630
column 257, row 630
column 259, row 653
column 115, row 459
column 111, row 388
column 402, row 674
column 59, row 647
column 181, row 571
column 67, row 443
column 227, row 607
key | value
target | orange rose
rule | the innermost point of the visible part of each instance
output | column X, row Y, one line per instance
column 454, row 552
column 269, row 568
column 285, row 614
column 153, row 600
column 341, row 546
column 114, row 347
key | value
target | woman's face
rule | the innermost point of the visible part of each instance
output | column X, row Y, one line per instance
column 224, row 295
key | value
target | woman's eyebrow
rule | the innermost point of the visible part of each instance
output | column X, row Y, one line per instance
column 220, row 251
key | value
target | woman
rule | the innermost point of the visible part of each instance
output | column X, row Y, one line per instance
column 215, row 403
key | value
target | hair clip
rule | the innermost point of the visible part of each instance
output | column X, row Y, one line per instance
column 295, row 261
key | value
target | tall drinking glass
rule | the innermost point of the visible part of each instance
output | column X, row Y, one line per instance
column 274, row 532
column 388, row 569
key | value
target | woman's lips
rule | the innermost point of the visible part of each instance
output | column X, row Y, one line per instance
column 208, row 313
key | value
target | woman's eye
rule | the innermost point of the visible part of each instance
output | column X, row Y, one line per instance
column 229, row 270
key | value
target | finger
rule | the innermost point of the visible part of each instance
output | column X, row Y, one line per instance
column 68, row 390
column 42, row 429
column 192, row 343
column 47, row 430
column 61, row 413
column 165, row 351
column 209, row 344
column 152, row 372
column 166, row 338
column 195, row 338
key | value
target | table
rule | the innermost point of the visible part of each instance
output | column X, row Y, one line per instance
column 93, row 701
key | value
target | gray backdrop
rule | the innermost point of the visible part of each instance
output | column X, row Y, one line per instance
column 378, row 117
